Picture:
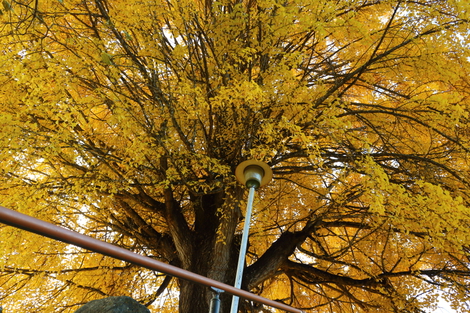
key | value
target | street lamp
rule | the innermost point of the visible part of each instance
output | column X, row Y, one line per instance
column 253, row 174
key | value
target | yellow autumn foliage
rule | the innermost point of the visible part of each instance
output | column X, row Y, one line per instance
column 125, row 121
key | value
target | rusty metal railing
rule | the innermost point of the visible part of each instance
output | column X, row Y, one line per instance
column 49, row 230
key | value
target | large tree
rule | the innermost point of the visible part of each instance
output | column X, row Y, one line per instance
column 125, row 121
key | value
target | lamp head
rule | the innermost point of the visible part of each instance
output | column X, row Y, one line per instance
column 253, row 173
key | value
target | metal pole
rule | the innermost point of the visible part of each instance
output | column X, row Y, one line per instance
column 49, row 230
column 215, row 301
column 241, row 256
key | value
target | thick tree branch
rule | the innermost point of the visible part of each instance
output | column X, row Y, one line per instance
column 268, row 264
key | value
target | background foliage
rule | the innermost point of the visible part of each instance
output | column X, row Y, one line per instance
column 125, row 120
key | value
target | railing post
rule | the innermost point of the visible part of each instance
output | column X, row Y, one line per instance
column 215, row 301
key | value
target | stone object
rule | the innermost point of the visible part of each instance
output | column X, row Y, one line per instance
column 113, row 305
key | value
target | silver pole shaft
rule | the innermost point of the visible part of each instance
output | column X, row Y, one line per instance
column 241, row 256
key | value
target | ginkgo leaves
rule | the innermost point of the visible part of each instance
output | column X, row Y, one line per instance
column 423, row 208
column 106, row 58
column 125, row 120
column 7, row 5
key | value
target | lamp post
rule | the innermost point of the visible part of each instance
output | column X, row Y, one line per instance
column 253, row 174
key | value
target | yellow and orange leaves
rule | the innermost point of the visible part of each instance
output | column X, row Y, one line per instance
column 433, row 212
column 95, row 98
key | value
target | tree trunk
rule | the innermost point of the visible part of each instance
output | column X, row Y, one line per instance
column 196, row 298
column 215, row 249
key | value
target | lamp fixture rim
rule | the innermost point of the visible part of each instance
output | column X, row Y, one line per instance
column 240, row 171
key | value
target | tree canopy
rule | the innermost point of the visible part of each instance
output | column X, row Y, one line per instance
column 125, row 121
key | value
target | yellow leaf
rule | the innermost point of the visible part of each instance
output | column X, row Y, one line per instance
column 106, row 58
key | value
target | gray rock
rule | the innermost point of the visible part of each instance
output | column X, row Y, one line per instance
column 113, row 305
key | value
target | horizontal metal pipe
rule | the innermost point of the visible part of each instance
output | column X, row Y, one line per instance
column 46, row 229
